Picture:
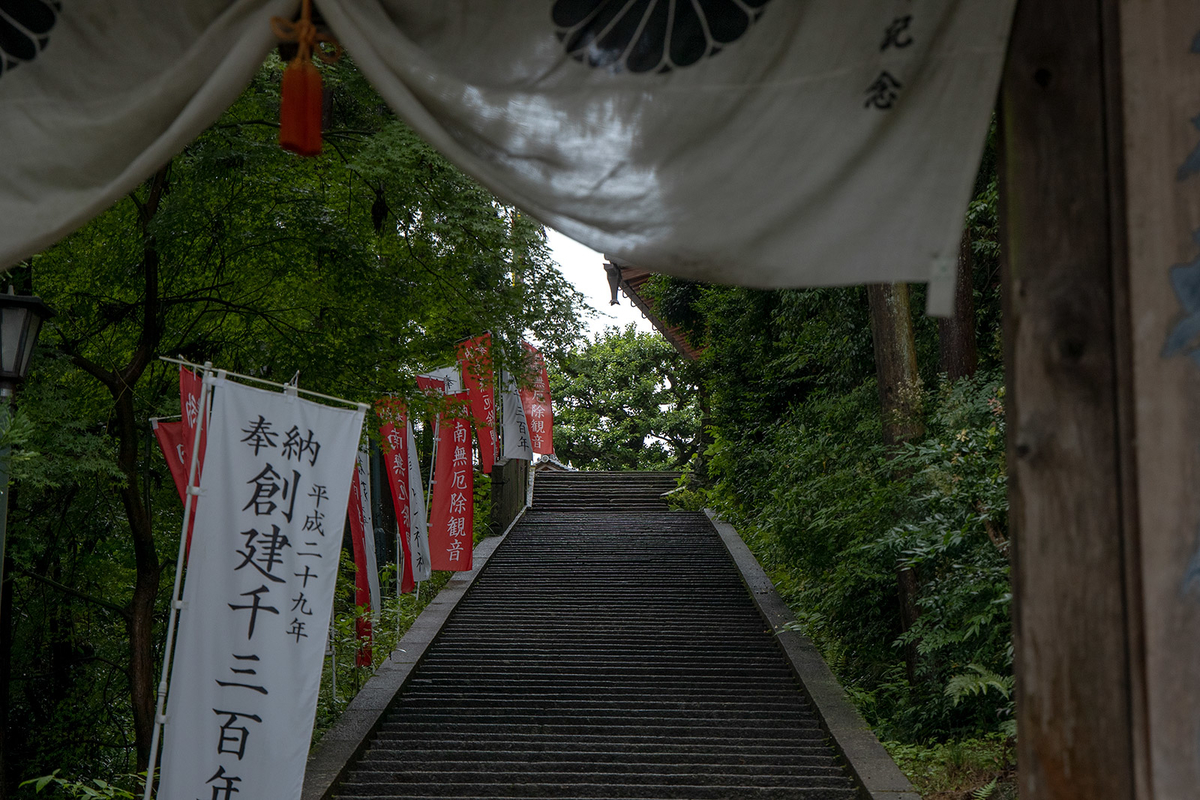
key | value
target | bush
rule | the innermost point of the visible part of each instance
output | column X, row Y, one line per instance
column 834, row 516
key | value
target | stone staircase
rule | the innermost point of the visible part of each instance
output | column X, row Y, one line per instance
column 608, row 649
column 597, row 492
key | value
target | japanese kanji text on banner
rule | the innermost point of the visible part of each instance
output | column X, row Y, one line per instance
column 366, row 573
column 408, row 496
column 418, row 525
column 258, row 597
column 536, row 401
column 475, row 361
column 513, row 423
column 451, row 523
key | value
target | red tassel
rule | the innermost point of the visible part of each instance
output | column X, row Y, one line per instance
column 300, row 108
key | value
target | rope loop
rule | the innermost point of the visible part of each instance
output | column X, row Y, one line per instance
column 305, row 34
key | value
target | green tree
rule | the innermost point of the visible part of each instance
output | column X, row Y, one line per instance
column 625, row 400
column 836, row 505
column 356, row 269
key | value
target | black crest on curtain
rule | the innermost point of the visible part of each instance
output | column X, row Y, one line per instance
column 25, row 30
column 651, row 35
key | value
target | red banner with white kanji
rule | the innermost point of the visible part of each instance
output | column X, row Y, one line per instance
column 366, row 569
column 177, row 438
column 428, row 384
column 536, row 401
column 395, row 459
column 475, row 361
column 190, row 385
column 452, row 514
column 170, row 436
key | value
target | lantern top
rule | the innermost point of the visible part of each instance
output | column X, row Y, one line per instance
column 21, row 318
column 11, row 299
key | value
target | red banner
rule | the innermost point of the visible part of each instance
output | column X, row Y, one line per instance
column 452, row 520
column 475, row 361
column 170, row 437
column 175, row 439
column 426, row 384
column 190, row 386
column 362, row 585
column 395, row 456
column 536, row 401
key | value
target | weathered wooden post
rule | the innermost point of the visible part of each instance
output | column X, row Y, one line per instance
column 510, row 482
column 1100, row 199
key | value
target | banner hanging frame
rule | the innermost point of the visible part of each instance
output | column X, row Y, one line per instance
column 176, row 598
column 285, row 387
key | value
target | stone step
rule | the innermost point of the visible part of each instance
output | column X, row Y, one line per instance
column 609, row 649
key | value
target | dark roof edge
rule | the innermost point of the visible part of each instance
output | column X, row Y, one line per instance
column 631, row 280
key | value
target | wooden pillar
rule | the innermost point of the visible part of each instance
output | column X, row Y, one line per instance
column 1061, row 201
column 1160, row 55
column 1098, row 205
column 510, row 481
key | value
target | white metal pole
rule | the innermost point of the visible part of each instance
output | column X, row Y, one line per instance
column 288, row 386
column 437, row 430
column 400, row 569
column 160, row 718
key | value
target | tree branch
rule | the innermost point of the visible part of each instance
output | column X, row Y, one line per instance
column 109, row 379
column 124, row 612
column 151, row 328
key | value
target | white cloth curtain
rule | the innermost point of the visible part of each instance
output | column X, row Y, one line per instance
column 118, row 88
column 765, row 143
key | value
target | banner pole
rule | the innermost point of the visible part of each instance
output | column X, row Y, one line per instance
column 333, row 667
column 437, row 428
column 285, row 386
column 160, row 718
column 400, row 569
column 498, row 404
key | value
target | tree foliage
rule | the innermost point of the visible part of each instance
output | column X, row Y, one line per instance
column 625, row 400
column 798, row 460
column 354, row 269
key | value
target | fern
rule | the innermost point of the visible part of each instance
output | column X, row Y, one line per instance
column 985, row 791
column 979, row 683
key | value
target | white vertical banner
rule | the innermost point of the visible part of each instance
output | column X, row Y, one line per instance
column 418, row 528
column 514, row 426
column 258, row 597
column 364, row 499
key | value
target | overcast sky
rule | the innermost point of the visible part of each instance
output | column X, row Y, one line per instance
column 584, row 267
